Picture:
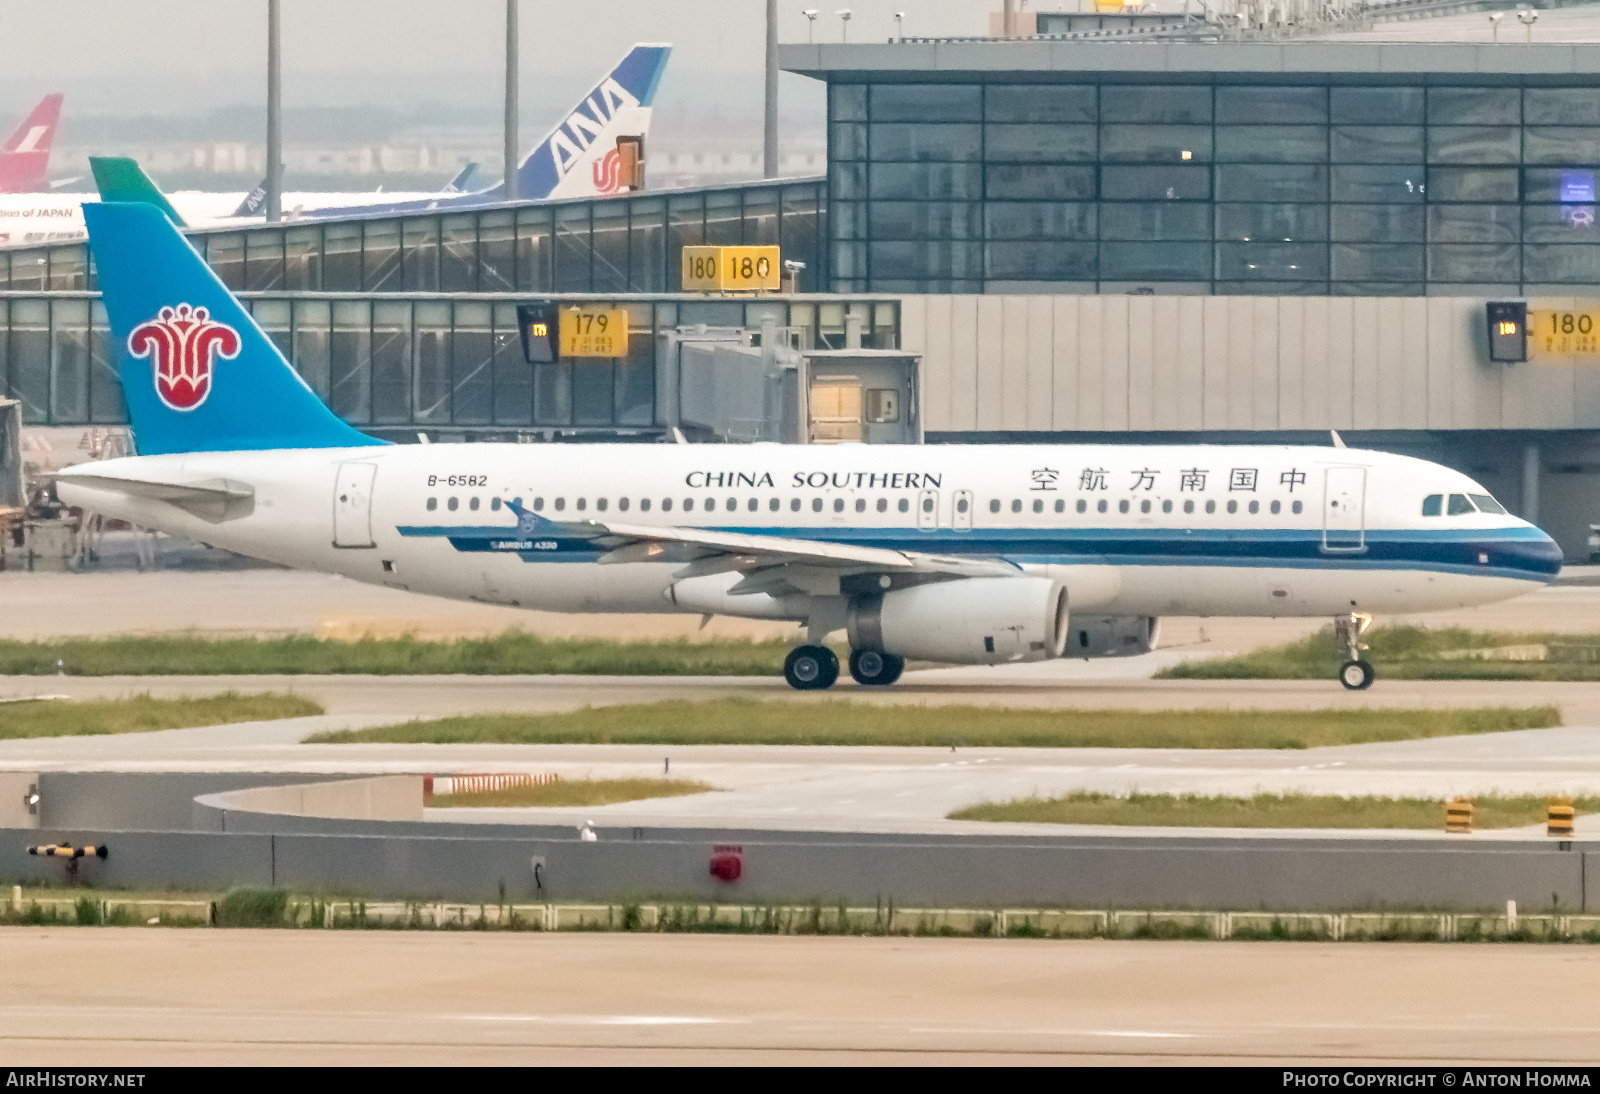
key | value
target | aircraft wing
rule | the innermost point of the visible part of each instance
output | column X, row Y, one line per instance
column 708, row 551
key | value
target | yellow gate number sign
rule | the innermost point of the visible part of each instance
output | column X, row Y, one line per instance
column 731, row 269
column 1564, row 333
column 594, row 331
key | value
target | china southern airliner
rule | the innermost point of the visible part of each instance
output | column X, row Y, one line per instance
column 948, row 553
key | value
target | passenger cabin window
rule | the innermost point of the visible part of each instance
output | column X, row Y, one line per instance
column 883, row 505
column 538, row 504
column 666, row 505
column 1487, row 504
column 794, row 505
column 1038, row 505
column 1122, row 506
column 994, row 505
column 1188, row 505
column 816, row 505
column 1296, row 507
column 494, row 504
column 1459, row 505
column 1433, row 505
column 905, row 505
column 622, row 504
column 473, row 504
column 1016, row 505
column 838, row 505
column 1061, row 505
column 644, row 505
column 433, row 503
column 452, row 505
column 1083, row 506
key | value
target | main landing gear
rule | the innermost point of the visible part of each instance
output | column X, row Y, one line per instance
column 875, row 668
column 815, row 668
column 1355, row 674
column 812, row 668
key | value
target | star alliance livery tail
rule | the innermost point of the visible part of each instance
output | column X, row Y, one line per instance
column 25, row 157
column 198, row 374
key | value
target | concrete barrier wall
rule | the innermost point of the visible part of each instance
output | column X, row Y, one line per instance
column 1244, row 874
column 154, row 800
column 374, row 798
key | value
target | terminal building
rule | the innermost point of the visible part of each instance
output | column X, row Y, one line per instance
column 1082, row 240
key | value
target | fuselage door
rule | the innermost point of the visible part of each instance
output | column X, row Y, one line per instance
column 352, row 505
column 961, row 518
column 928, row 510
column 1344, row 509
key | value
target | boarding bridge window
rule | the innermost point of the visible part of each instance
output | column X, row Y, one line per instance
column 453, row 504
column 1460, row 505
column 1487, row 504
column 433, row 503
column 1433, row 505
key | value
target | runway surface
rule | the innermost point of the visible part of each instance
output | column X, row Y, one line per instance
column 132, row 998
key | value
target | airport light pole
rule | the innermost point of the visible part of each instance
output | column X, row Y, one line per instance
column 274, row 204
column 510, row 135
column 769, row 148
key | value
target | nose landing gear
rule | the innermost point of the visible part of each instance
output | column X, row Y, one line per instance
column 811, row 668
column 1356, row 674
column 875, row 668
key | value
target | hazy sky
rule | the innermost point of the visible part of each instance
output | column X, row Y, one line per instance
column 193, row 56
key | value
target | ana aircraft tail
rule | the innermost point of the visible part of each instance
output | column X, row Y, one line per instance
column 463, row 181
column 121, row 179
column 579, row 157
column 25, row 156
column 199, row 375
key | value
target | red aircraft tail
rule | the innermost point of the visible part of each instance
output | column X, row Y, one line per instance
column 25, row 157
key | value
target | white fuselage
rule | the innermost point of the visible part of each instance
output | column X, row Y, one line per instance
column 1135, row 530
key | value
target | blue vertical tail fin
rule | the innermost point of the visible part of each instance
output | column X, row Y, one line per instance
column 198, row 373
column 572, row 160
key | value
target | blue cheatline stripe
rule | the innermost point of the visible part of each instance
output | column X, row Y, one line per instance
column 1519, row 551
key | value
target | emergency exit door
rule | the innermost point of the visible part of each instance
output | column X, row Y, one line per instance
column 352, row 505
column 1344, row 509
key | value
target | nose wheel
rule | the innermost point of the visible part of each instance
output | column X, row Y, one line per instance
column 1356, row 674
column 874, row 668
column 811, row 668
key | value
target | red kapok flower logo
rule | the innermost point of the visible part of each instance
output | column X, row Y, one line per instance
column 183, row 343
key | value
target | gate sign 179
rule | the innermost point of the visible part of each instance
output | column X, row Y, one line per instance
column 594, row 330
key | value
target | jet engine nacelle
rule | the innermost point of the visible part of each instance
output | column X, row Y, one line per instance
column 1112, row 635
column 971, row 621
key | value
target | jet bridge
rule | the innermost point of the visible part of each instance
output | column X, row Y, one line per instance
column 13, row 502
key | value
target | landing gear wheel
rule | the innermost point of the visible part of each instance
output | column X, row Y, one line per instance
column 1356, row 675
column 811, row 668
column 874, row 668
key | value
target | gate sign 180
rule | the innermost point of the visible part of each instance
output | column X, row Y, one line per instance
column 731, row 269
column 1564, row 332
column 594, row 330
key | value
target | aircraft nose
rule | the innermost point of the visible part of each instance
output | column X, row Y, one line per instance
column 1535, row 553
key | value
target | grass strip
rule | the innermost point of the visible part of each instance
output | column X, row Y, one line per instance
column 511, row 653
column 1264, row 811
column 142, row 714
column 1411, row 653
column 572, row 792
column 840, row 722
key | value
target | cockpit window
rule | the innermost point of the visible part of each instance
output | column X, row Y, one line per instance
column 1433, row 505
column 1459, row 505
column 1487, row 504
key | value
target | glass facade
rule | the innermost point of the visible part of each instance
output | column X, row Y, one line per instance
column 600, row 245
column 401, row 363
column 1207, row 186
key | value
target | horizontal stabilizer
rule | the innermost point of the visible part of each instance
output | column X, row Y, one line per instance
column 212, row 500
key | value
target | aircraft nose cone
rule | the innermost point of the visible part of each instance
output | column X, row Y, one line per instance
column 1537, row 554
